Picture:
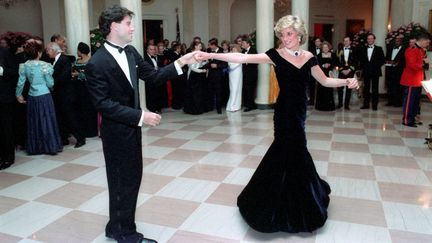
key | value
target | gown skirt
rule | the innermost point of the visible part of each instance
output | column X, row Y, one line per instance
column 43, row 135
column 286, row 193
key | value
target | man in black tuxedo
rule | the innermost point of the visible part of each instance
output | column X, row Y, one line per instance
column 250, row 77
column 112, row 75
column 215, row 78
column 8, row 82
column 348, row 67
column 315, row 49
column 395, row 63
column 66, row 97
column 153, row 93
column 372, row 58
column 177, row 85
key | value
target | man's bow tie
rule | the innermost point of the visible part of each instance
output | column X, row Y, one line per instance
column 120, row 49
column 346, row 48
column 370, row 46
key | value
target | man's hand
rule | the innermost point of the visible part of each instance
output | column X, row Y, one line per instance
column 188, row 58
column 202, row 56
column 151, row 119
column 352, row 83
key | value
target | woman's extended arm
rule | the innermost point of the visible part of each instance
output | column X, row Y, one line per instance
column 234, row 57
column 319, row 75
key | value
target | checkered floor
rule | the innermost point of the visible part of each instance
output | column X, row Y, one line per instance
column 195, row 166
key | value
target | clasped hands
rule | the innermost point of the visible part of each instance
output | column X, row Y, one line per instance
column 352, row 83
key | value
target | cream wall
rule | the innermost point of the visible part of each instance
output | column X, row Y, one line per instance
column 421, row 10
column 243, row 17
column 22, row 17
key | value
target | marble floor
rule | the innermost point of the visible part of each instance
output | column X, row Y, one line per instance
column 195, row 166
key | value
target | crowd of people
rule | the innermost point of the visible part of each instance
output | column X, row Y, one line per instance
column 405, row 68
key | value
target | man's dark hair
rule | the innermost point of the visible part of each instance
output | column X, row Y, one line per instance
column 213, row 41
column 371, row 35
column 423, row 36
column 112, row 14
column 248, row 40
column 83, row 48
column 55, row 37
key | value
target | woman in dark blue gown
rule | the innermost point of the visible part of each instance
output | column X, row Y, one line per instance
column 286, row 193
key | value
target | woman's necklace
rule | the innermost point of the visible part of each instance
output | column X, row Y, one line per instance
column 294, row 53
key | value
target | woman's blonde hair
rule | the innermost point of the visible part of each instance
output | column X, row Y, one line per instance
column 327, row 44
column 294, row 22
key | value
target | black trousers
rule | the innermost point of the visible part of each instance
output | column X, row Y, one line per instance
column 7, row 143
column 249, row 93
column 368, row 82
column 394, row 88
column 214, row 90
column 345, row 103
column 123, row 160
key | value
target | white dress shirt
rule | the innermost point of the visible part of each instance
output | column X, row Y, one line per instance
column 395, row 52
column 346, row 54
column 369, row 51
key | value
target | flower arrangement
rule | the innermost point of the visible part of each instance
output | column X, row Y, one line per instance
column 96, row 40
column 406, row 32
column 15, row 38
column 360, row 39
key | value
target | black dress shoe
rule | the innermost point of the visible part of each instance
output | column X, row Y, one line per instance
column 65, row 142
column 131, row 238
column 5, row 164
column 347, row 108
column 79, row 144
column 409, row 125
column 374, row 108
column 364, row 107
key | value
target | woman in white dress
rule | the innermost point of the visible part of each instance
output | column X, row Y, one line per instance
column 235, row 83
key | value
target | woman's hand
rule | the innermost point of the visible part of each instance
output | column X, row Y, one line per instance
column 21, row 99
column 352, row 83
column 202, row 56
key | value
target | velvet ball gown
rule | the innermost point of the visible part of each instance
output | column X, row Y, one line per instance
column 286, row 193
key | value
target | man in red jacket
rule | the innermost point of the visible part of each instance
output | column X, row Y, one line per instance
column 413, row 74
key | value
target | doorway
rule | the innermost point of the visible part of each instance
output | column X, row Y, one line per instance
column 152, row 29
column 325, row 31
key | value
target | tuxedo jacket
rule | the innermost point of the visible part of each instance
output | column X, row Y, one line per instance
column 352, row 62
column 9, row 79
column 62, row 75
column 117, row 99
column 399, row 60
column 147, row 58
column 372, row 68
column 250, row 70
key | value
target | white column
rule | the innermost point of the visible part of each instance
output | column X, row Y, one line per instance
column 301, row 8
column 77, row 24
column 379, row 28
column 264, row 39
column 137, row 39
column 397, row 11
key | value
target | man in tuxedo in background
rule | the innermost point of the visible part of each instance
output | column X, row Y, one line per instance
column 153, row 93
column 372, row 58
column 316, row 50
column 65, row 96
column 112, row 75
column 8, row 82
column 215, row 78
column 395, row 63
column 250, row 77
column 348, row 67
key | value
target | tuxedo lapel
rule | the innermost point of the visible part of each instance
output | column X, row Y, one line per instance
column 133, row 76
column 117, row 72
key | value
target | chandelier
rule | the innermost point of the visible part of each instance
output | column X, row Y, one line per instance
column 7, row 3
